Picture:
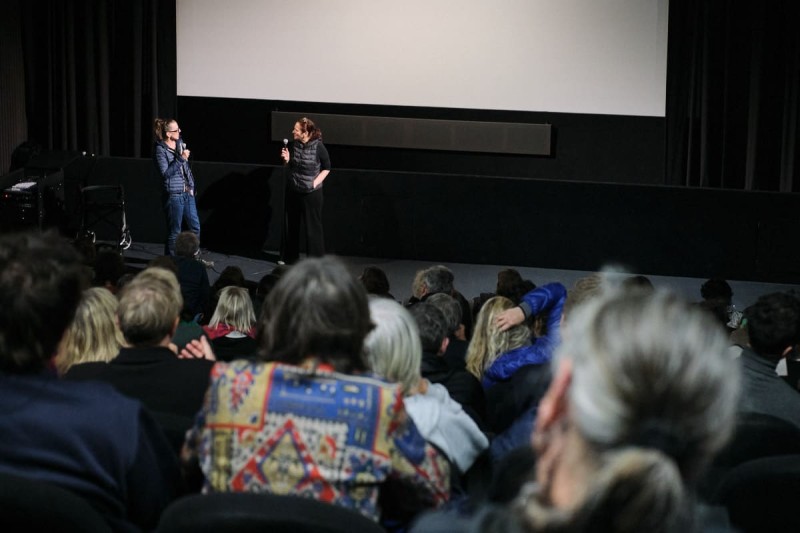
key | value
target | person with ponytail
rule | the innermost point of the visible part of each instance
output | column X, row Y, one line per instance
column 310, row 165
column 171, row 160
column 642, row 398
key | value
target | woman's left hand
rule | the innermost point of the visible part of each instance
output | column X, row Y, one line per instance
column 198, row 349
column 509, row 318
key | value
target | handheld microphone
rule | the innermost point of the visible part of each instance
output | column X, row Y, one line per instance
column 285, row 143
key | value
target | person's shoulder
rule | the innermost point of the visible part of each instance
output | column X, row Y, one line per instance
column 85, row 371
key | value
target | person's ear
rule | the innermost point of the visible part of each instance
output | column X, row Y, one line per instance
column 445, row 344
column 554, row 403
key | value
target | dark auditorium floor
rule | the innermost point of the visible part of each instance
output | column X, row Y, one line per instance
column 470, row 280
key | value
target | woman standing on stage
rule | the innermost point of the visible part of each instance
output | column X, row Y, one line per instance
column 171, row 159
column 310, row 164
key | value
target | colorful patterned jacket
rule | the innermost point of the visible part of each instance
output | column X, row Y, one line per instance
column 268, row 427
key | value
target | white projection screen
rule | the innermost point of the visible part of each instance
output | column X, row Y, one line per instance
column 568, row 56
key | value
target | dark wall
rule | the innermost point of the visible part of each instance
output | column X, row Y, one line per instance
column 597, row 148
column 652, row 230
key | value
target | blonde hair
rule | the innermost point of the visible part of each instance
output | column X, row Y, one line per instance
column 93, row 336
column 488, row 342
column 149, row 306
column 234, row 308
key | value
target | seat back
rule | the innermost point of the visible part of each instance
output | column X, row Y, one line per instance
column 29, row 505
column 249, row 512
column 761, row 495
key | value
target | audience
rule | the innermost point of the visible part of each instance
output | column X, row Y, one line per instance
column 643, row 396
column 83, row 437
column 302, row 421
column 601, row 408
column 146, row 368
column 93, row 335
column 394, row 352
column 232, row 328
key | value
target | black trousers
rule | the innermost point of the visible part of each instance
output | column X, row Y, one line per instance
column 303, row 209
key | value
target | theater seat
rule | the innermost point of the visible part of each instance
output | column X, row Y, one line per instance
column 761, row 495
column 248, row 512
column 27, row 505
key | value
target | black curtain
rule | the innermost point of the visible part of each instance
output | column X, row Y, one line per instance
column 98, row 72
column 732, row 94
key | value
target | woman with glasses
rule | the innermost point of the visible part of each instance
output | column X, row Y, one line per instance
column 171, row 158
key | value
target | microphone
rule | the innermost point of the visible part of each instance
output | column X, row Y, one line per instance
column 285, row 143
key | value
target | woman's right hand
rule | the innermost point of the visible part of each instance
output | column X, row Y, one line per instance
column 285, row 155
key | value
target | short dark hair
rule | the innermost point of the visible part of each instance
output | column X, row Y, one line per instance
column 716, row 289
column 187, row 244
column 432, row 325
column 41, row 281
column 374, row 280
column 317, row 308
column 773, row 324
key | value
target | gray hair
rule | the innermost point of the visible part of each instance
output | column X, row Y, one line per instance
column 449, row 307
column 394, row 348
column 651, row 366
column 438, row 279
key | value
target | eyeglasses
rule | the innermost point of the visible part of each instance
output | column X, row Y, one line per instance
column 173, row 131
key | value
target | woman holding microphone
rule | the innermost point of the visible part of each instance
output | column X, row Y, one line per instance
column 171, row 159
column 310, row 164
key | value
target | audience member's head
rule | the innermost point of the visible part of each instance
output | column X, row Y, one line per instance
column 432, row 326
column 41, row 281
column 164, row 261
column 488, row 342
column 235, row 309
column 394, row 348
column 583, row 290
column 449, row 307
column 231, row 276
column 187, row 244
column 773, row 325
column 437, row 279
column 511, row 285
column 109, row 266
column 643, row 396
column 149, row 307
column 93, row 335
column 716, row 289
column 316, row 313
column 375, row 281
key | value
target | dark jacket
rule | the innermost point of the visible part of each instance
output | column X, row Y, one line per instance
column 462, row 386
column 171, row 388
column 173, row 169
column 308, row 160
column 90, row 440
